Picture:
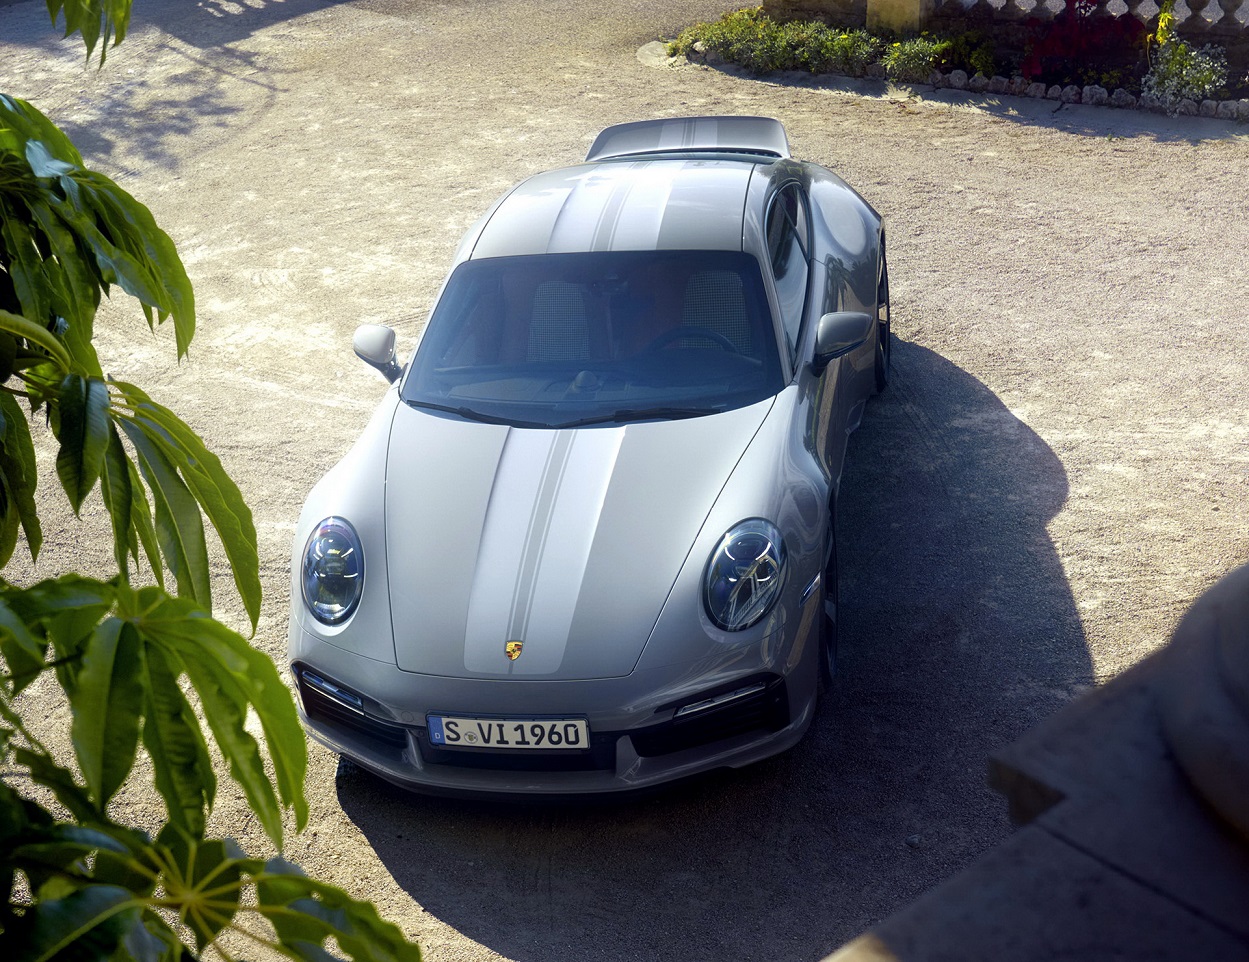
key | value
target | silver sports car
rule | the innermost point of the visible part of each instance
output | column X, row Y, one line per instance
column 587, row 542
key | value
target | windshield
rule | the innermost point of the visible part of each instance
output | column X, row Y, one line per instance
column 558, row 340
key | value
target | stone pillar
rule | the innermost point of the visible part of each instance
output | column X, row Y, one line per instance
column 901, row 16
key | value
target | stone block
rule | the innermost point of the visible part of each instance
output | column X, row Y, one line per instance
column 1121, row 98
column 1209, row 108
column 958, row 79
column 898, row 16
column 1227, row 110
column 1054, row 93
column 978, row 84
column 1187, row 108
column 1070, row 94
column 998, row 84
column 1095, row 95
column 1035, row 90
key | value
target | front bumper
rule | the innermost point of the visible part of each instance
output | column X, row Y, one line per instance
column 637, row 740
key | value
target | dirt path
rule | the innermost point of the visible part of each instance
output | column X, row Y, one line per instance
column 1061, row 465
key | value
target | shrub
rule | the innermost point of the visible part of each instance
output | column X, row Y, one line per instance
column 971, row 51
column 912, row 61
column 1179, row 72
column 758, row 43
column 844, row 51
column 745, row 37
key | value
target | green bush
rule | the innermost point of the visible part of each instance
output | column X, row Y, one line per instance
column 971, row 51
column 913, row 60
column 1179, row 72
column 744, row 37
column 842, row 51
column 760, row 44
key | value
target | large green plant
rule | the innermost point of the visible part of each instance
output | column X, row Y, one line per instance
column 131, row 659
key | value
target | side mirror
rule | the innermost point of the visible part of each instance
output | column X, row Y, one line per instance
column 840, row 333
column 374, row 344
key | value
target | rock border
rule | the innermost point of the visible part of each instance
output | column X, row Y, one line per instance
column 1092, row 95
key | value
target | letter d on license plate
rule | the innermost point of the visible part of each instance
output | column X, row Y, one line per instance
column 519, row 734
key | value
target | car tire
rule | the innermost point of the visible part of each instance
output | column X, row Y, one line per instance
column 884, row 329
column 828, row 617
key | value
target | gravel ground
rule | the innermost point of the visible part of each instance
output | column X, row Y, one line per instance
column 1060, row 466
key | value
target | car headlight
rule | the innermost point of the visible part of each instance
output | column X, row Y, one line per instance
column 333, row 573
column 745, row 575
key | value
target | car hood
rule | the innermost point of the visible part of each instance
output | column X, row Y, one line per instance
column 567, row 541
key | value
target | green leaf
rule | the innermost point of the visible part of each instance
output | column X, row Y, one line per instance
column 25, row 266
column 84, row 434
column 106, row 703
column 30, row 124
column 93, row 920
column 35, row 334
column 307, row 912
column 43, row 164
column 207, row 894
column 81, row 286
column 216, row 493
column 133, row 227
column 65, row 848
column 171, row 734
column 44, row 771
column 117, row 494
column 141, row 518
column 179, row 528
column 22, row 651
column 230, row 676
column 18, row 471
column 65, row 611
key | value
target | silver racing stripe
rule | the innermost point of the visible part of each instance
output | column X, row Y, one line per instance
column 618, row 213
column 536, row 536
column 540, row 525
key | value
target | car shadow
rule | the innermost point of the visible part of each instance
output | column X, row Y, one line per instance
column 959, row 632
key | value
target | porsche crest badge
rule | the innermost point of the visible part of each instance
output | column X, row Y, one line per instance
column 512, row 649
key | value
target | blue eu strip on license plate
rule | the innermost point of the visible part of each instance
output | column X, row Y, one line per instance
column 519, row 734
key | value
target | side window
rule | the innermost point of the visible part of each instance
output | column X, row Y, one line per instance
column 789, row 246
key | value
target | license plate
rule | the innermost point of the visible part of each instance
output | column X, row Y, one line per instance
column 545, row 734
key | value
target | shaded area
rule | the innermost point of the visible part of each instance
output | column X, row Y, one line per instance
column 218, row 23
column 959, row 632
column 1135, row 816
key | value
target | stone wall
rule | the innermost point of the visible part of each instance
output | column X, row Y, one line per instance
column 839, row 13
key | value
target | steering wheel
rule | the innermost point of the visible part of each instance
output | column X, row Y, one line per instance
column 688, row 330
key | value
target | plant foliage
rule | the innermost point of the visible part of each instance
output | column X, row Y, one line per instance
column 1178, row 71
column 755, row 41
column 913, row 60
column 140, row 667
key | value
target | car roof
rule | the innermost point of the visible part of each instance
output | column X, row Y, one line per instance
column 671, row 203
column 762, row 136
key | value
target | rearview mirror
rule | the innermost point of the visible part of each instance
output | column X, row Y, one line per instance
column 840, row 333
column 374, row 344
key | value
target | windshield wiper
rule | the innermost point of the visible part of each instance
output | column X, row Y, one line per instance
column 470, row 415
column 641, row 414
